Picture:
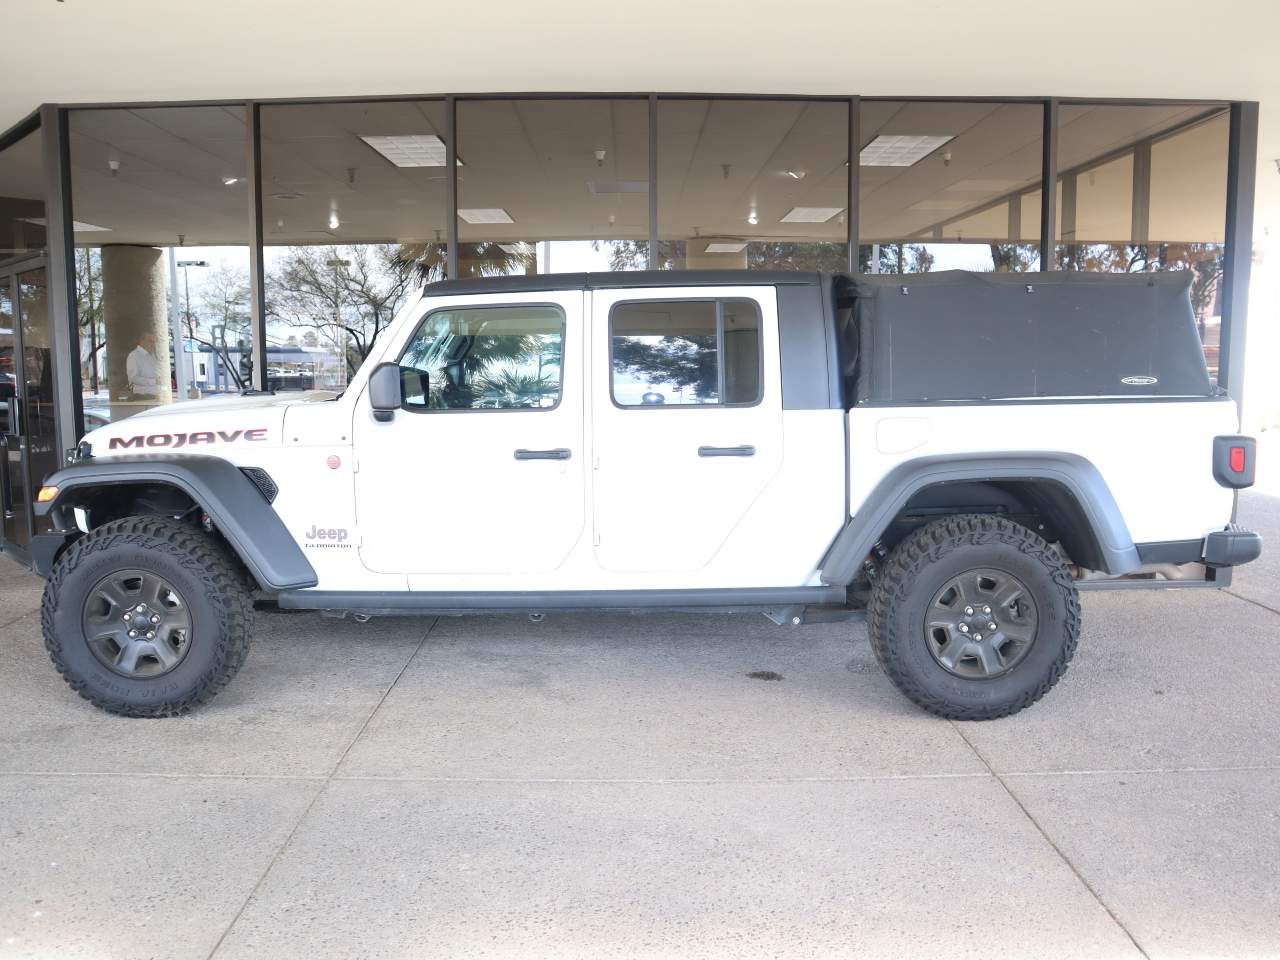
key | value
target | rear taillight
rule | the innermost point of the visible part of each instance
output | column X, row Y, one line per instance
column 1233, row 461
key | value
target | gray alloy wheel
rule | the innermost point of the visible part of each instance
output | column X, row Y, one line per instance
column 137, row 624
column 981, row 623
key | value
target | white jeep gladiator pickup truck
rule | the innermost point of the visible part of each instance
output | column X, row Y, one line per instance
column 950, row 455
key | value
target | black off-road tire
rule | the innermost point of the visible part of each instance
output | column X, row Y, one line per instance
column 907, row 592
column 211, row 583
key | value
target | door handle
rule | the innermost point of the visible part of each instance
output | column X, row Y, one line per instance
column 745, row 450
column 6, row 495
column 560, row 453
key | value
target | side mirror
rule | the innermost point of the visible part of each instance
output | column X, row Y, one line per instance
column 385, row 394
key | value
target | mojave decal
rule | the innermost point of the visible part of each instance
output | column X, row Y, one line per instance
column 175, row 440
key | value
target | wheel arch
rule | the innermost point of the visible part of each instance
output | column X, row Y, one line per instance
column 1062, row 486
column 237, row 508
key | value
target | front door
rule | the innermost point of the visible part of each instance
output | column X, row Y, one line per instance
column 687, row 421
column 28, row 446
column 482, row 470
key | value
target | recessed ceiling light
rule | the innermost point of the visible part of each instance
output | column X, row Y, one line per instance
column 724, row 247
column 412, row 150
column 900, row 151
column 286, row 195
column 76, row 225
column 795, row 174
column 334, row 222
column 811, row 214
column 485, row 215
column 230, row 181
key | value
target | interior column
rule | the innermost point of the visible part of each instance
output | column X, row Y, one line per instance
column 134, row 304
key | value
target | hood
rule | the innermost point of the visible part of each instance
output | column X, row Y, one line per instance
column 209, row 426
column 234, row 401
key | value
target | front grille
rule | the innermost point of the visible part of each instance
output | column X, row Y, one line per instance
column 262, row 480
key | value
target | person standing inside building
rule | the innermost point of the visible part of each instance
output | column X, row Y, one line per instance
column 143, row 369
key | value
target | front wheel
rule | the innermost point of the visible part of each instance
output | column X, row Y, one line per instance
column 147, row 617
column 974, row 617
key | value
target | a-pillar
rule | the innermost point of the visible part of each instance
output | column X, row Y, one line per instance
column 134, row 304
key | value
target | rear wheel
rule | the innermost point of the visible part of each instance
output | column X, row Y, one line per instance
column 147, row 617
column 974, row 617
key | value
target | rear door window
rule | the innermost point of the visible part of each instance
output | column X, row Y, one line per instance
column 680, row 353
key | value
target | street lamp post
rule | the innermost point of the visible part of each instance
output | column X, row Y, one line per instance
column 336, row 264
column 186, row 282
column 180, row 347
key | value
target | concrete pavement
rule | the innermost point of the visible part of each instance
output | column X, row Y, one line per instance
column 613, row 786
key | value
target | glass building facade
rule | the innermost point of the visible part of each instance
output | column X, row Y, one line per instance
column 157, row 252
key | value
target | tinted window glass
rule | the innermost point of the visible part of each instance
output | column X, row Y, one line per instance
column 685, row 353
column 485, row 358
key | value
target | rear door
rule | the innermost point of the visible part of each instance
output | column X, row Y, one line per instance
column 687, row 421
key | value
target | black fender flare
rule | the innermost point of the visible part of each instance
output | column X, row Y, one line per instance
column 236, row 507
column 1078, row 476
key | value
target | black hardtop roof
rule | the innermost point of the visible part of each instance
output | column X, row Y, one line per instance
column 862, row 285
column 533, row 283
column 869, row 284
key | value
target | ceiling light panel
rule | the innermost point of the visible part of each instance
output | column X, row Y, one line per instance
column 900, row 151
column 411, row 150
column 485, row 215
column 76, row 225
column 723, row 247
column 810, row 214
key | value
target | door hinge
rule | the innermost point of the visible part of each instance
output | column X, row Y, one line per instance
column 595, row 541
column 595, row 463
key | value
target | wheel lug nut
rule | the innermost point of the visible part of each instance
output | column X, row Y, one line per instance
column 986, row 610
column 968, row 611
column 977, row 636
column 151, row 634
column 140, row 607
column 991, row 626
column 964, row 628
column 155, row 618
column 133, row 633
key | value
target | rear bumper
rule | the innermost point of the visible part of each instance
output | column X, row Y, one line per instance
column 1228, row 547
column 1231, row 547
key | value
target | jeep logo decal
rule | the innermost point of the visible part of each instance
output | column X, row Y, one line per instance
column 1139, row 381
column 332, row 537
column 175, row 440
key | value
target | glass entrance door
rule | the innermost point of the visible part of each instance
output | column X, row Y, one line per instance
column 28, row 445
column 16, row 529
